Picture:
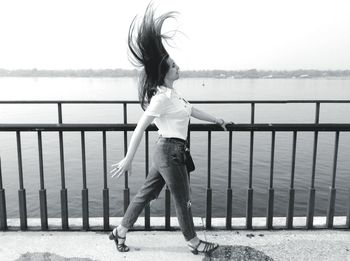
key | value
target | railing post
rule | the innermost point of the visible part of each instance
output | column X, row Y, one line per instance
column 126, row 185
column 249, row 213
column 209, row 190
column 85, row 191
column 42, row 191
column 229, row 189
column 312, row 191
column 167, row 209
column 332, row 193
column 3, row 216
column 64, row 196
column 147, row 208
column 21, row 191
column 271, row 189
column 105, row 188
column 290, row 211
column 59, row 112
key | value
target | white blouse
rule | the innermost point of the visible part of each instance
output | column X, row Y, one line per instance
column 172, row 113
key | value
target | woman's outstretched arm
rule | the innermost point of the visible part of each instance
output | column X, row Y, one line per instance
column 124, row 165
column 201, row 115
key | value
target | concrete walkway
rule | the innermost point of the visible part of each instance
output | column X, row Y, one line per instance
column 160, row 245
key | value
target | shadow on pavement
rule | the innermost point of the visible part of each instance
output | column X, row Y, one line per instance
column 44, row 256
column 240, row 253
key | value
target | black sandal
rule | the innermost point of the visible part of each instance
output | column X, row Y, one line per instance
column 208, row 247
column 120, row 247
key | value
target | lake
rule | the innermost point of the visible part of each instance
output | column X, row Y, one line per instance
column 192, row 89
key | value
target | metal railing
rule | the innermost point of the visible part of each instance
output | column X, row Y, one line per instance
column 209, row 128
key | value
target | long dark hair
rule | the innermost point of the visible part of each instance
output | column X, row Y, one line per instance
column 147, row 51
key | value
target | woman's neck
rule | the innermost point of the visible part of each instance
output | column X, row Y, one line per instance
column 168, row 84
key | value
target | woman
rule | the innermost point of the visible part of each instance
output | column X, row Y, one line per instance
column 171, row 114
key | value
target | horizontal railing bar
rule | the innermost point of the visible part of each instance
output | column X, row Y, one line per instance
column 193, row 127
column 67, row 102
column 191, row 101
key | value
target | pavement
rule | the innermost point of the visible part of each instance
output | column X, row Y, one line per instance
column 159, row 245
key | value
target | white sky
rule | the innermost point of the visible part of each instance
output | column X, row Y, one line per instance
column 220, row 34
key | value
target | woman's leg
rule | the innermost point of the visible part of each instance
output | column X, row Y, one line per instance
column 174, row 172
column 176, row 178
column 150, row 190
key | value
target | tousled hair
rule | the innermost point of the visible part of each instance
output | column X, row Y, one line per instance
column 148, row 52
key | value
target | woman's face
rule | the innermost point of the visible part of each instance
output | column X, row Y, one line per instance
column 173, row 73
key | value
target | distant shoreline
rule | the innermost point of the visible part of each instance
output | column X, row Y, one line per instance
column 220, row 74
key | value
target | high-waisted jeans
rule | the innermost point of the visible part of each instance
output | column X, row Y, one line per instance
column 168, row 168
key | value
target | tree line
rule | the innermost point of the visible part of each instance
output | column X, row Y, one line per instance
column 251, row 73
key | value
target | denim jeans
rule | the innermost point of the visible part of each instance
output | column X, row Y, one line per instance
column 168, row 168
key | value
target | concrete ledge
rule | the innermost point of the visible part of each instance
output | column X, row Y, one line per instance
column 96, row 223
column 277, row 245
column 279, row 222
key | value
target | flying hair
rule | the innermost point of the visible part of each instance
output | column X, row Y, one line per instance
column 146, row 50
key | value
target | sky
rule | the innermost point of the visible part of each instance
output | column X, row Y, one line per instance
column 220, row 34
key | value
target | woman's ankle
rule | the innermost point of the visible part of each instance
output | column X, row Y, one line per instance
column 121, row 230
column 194, row 241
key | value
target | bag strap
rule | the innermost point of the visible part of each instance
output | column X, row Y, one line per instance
column 188, row 135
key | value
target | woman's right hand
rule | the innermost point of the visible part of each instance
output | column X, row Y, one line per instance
column 120, row 168
column 222, row 123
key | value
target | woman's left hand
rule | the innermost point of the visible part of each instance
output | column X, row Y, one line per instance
column 121, row 168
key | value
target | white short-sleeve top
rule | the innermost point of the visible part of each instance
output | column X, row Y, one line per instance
column 172, row 113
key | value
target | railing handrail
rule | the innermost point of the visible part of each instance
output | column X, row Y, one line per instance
column 193, row 127
column 191, row 101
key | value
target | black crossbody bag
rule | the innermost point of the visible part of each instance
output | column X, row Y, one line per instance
column 189, row 161
column 188, row 158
